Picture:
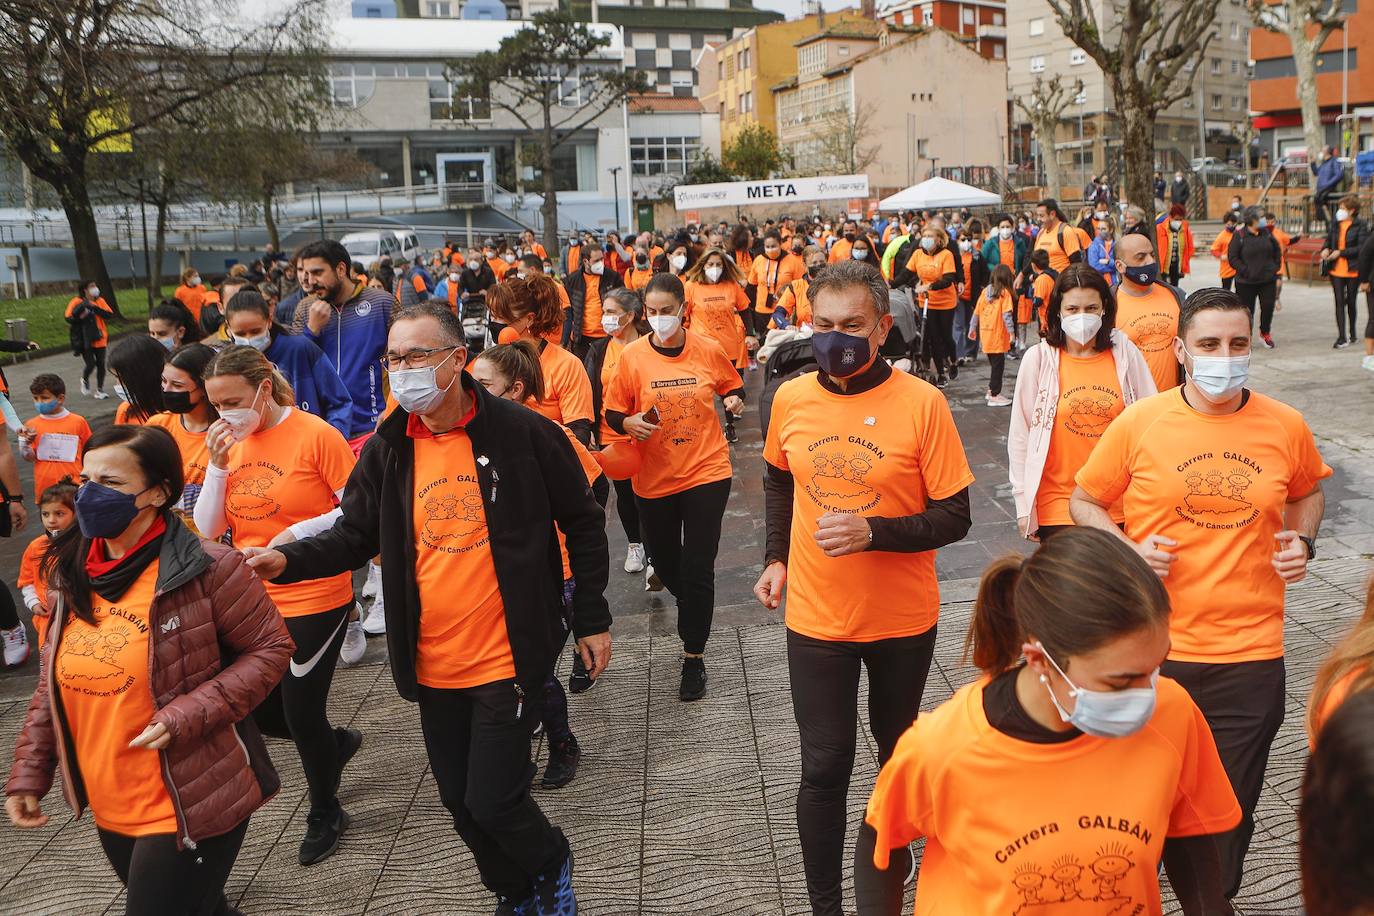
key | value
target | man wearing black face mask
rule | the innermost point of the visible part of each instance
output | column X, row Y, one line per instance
column 1147, row 309
column 865, row 477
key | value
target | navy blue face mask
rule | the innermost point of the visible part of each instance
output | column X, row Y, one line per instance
column 104, row 512
column 841, row 355
column 1143, row 274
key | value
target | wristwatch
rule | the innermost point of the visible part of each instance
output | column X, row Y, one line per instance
column 1311, row 546
column 15, row 498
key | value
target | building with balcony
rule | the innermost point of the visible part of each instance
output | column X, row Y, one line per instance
column 894, row 93
column 667, row 133
column 982, row 22
column 1345, row 85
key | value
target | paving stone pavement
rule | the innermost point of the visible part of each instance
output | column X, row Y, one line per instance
column 688, row 809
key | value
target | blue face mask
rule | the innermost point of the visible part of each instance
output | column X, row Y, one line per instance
column 104, row 512
column 47, row 408
column 841, row 355
column 1143, row 274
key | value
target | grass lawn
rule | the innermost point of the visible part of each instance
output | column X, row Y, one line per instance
column 49, row 328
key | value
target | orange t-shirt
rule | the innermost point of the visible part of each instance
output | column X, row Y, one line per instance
column 713, row 310
column 499, row 267
column 1089, row 399
column 795, row 301
column 1342, row 267
column 592, row 469
column 591, row 306
column 930, row 268
column 195, row 458
column 102, row 311
column 1041, row 288
column 770, row 276
column 463, row 638
column 992, row 328
column 1062, row 836
column 1006, row 253
column 1284, row 240
column 29, row 568
column 281, row 476
column 567, row 390
column 1084, row 239
column 637, row 279
column 795, row 265
column 744, row 260
column 883, row 453
column 67, row 435
column 1330, row 703
column 609, row 365
column 840, row 250
column 1048, row 239
column 193, row 297
column 124, row 415
column 1151, row 323
column 102, row 677
column 688, row 449
column 1217, row 486
column 1220, row 250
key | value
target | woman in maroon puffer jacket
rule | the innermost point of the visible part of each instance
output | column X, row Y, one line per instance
column 160, row 646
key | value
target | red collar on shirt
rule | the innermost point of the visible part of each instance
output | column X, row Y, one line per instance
column 416, row 428
column 98, row 565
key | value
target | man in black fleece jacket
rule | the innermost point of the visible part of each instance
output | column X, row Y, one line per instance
column 460, row 492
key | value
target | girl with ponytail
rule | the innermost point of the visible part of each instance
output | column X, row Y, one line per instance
column 1087, row 767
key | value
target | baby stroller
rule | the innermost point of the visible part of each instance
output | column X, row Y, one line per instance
column 787, row 362
column 475, row 322
column 908, row 333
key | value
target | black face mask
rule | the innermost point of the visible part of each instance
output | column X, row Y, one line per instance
column 178, row 401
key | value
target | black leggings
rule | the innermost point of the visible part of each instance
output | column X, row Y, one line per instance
column 1347, row 293
column 295, row 708
column 1227, row 282
column 998, row 361
column 1369, row 315
column 682, row 534
column 9, row 613
column 939, row 338
column 825, row 700
column 627, row 509
column 164, row 881
column 1267, row 294
column 95, row 359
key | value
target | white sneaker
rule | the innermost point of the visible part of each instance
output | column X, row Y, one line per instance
column 1368, row 363
column 999, row 401
column 374, row 624
column 652, row 583
column 634, row 559
column 16, row 646
column 373, row 586
column 85, row 387
column 100, row 395
column 355, row 640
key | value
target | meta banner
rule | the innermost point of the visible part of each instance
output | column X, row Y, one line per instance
column 770, row 190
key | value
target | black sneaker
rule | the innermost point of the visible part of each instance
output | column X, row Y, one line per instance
column 348, row 740
column 322, row 832
column 553, row 893
column 508, row 907
column 954, row 369
column 1340, row 344
column 941, row 382
column 579, row 681
column 693, row 686
column 562, row 766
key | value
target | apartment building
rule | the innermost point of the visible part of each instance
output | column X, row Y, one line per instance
column 983, row 22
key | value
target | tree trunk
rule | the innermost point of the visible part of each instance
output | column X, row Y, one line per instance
column 1137, row 144
column 270, row 219
column 90, row 262
column 1305, row 63
column 159, row 247
column 549, row 209
column 1049, row 157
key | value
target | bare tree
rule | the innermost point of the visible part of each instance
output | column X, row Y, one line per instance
column 81, row 77
column 1145, row 53
column 1308, row 24
column 1044, row 109
column 846, row 144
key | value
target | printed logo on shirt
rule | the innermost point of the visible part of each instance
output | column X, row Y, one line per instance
column 1216, row 495
column 455, row 521
column 250, row 495
column 1068, row 886
column 91, row 660
column 677, row 405
column 1088, row 410
column 839, row 470
column 1152, row 332
column 363, row 309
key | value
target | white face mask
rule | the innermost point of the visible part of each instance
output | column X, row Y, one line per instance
column 1175, row 224
column 1105, row 713
column 1263, row 223
column 860, row 254
column 679, row 261
column 713, row 274
column 1219, row 378
column 665, row 326
column 194, row 281
column 965, row 245
column 1342, row 215
column 610, row 323
column 1005, row 232
column 598, row 268
column 243, row 421
column 928, row 244
column 453, row 278
column 509, row 258
column 416, row 389
column 1081, row 327
column 259, row 343
column 1101, row 215
column 93, row 292
column 170, row 343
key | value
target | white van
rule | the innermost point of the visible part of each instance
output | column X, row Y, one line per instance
column 367, row 248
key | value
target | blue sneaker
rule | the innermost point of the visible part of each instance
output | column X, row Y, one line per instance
column 553, row 894
column 507, row 907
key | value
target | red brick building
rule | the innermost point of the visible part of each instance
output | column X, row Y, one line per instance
column 982, row 23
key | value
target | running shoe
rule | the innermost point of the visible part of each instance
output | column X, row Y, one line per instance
column 355, row 640
column 579, row 681
column 16, row 642
column 553, row 893
column 652, row 583
column 1340, row 344
column 693, row 685
column 634, row 559
column 508, row 907
column 374, row 624
column 1268, row 340
column 323, row 830
column 100, row 395
column 999, row 401
column 85, row 388
column 1368, row 363
column 953, row 369
column 941, row 382
column 373, row 586
column 564, row 757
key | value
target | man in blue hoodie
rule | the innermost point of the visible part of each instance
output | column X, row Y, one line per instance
column 1330, row 175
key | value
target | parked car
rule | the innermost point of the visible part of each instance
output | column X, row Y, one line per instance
column 1217, row 172
column 369, row 247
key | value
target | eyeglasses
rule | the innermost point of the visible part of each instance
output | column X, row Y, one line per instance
column 414, row 359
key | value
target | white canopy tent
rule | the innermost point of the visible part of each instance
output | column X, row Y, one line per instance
column 936, row 193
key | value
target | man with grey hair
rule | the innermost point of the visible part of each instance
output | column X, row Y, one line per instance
column 865, row 477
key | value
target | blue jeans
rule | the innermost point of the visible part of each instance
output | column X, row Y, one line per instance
column 963, row 315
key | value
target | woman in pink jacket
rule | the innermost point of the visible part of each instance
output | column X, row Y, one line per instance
column 1069, row 388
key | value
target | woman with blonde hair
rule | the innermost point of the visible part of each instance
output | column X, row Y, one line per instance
column 1349, row 669
column 276, row 474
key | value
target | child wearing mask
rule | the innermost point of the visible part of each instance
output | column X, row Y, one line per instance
column 57, row 507
column 53, row 440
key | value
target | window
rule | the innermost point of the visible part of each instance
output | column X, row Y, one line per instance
column 720, row 70
column 1216, row 102
column 662, row 155
column 927, row 16
column 968, row 17
column 1037, row 64
column 1235, row 31
column 1237, row 102
column 351, row 85
column 1078, row 57
column 1235, row 67
column 998, row 52
column 998, row 19
column 1216, row 66
column 922, row 149
column 1037, row 27
column 439, row 9
column 746, row 59
column 446, row 105
column 843, row 50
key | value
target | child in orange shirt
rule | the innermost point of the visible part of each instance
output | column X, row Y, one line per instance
column 53, row 440
column 57, row 506
column 993, row 324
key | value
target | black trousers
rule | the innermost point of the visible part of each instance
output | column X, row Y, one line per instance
column 94, row 357
column 1227, row 282
column 1175, row 274
column 998, row 361
column 939, row 339
column 1369, row 315
column 1243, row 703
column 478, row 742
column 9, row 612
column 682, row 534
column 296, row 707
column 627, row 509
column 1266, row 294
column 825, row 694
column 1347, row 293
column 164, row 881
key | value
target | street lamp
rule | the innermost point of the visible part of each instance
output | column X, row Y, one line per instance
column 615, row 189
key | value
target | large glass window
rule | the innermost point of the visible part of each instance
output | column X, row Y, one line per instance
column 662, row 155
column 446, row 105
